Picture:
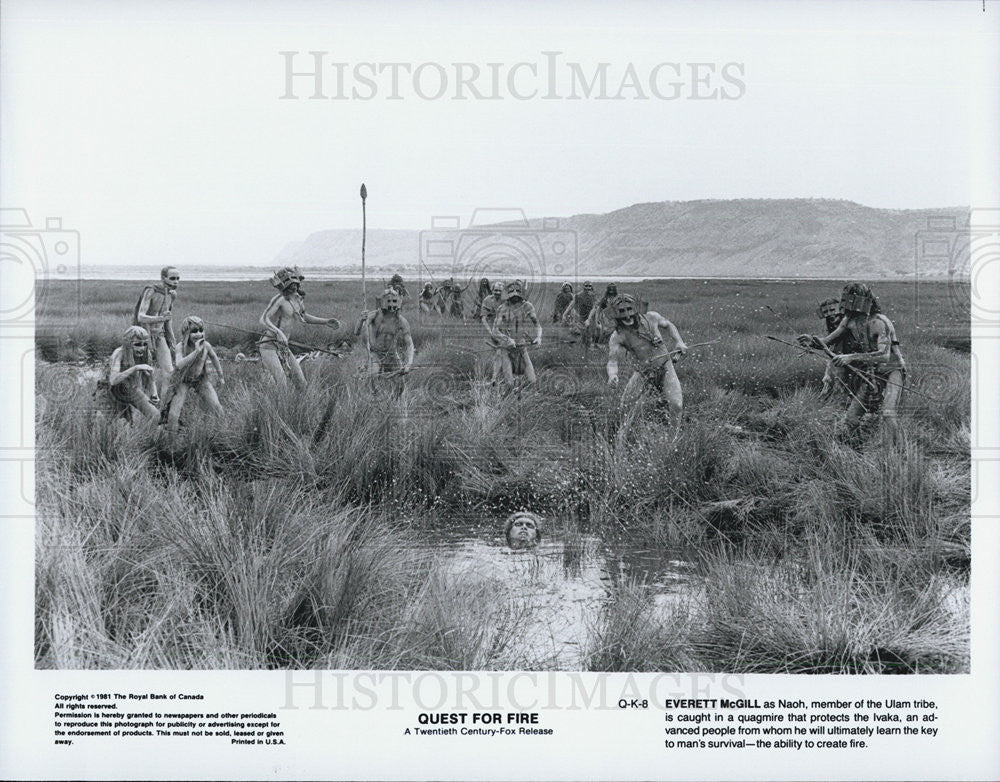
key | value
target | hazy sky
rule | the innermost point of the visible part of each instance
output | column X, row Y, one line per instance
column 158, row 130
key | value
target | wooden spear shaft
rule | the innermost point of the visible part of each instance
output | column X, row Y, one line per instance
column 364, row 228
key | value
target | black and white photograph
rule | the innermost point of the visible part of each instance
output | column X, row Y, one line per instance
column 510, row 376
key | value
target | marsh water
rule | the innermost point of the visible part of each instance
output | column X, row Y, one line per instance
column 560, row 586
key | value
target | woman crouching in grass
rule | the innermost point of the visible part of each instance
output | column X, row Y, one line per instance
column 129, row 384
column 191, row 372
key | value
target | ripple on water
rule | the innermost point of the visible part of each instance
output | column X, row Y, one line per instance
column 563, row 582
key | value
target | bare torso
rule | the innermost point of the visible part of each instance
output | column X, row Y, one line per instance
column 281, row 312
column 518, row 321
column 641, row 348
column 387, row 332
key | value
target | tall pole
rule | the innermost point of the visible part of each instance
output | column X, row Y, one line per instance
column 364, row 227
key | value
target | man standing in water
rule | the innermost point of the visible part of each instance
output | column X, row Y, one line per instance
column 286, row 306
column 639, row 334
column 153, row 312
column 516, row 326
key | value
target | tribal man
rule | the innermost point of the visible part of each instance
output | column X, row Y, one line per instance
column 877, row 361
column 397, row 284
column 153, row 312
column 386, row 331
column 600, row 321
column 834, row 377
column 426, row 298
column 284, row 307
column 484, row 292
column 639, row 334
column 577, row 316
column 488, row 314
column 563, row 300
column 515, row 328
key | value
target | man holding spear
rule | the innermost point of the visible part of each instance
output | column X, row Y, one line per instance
column 386, row 331
column 286, row 306
column 515, row 327
column 639, row 334
column 878, row 360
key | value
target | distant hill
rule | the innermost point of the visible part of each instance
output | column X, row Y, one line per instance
column 738, row 238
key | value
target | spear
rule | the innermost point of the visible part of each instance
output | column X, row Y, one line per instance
column 697, row 345
column 825, row 348
column 291, row 342
column 364, row 227
column 866, row 376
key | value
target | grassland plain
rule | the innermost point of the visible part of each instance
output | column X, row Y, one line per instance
column 282, row 534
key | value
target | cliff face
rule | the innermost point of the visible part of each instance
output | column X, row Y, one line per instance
column 740, row 238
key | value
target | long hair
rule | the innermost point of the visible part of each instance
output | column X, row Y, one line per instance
column 187, row 325
column 128, row 336
column 128, row 354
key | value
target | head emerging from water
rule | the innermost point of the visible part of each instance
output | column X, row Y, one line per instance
column 522, row 529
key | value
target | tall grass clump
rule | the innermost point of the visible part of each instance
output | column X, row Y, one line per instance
column 633, row 633
column 831, row 610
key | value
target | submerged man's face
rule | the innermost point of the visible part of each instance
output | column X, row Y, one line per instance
column 523, row 532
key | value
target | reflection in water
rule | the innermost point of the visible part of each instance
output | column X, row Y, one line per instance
column 564, row 581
